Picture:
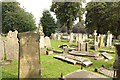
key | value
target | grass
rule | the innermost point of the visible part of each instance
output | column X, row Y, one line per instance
column 52, row 68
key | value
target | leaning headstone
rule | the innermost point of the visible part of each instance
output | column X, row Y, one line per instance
column 29, row 55
column 1, row 50
column 11, row 46
column 116, row 64
column 47, row 42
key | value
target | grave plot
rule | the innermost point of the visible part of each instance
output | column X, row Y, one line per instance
column 79, row 53
column 84, row 75
column 74, row 59
column 105, row 71
column 57, row 51
column 106, row 55
column 107, row 51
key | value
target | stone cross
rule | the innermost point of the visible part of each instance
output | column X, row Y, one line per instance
column 29, row 55
column 95, row 34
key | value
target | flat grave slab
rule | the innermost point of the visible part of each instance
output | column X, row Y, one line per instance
column 79, row 53
column 105, row 71
column 84, row 74
column 107, row 51
column 106, row 55
column 57, row 51
column 74, row 59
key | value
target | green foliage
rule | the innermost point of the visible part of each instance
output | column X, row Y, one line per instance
column 103, row 16
column 15, row 18
column 48, row 23
column 67, row 12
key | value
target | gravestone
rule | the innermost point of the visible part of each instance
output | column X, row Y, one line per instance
column 54, row 36
column 71, row 38
column 11, row 46
column 83, row 46
column 101, row 41
column 95, row 34
column 106, row 55
column 42, row 44
column 80, row 38
column 1, row 50
column 76, row 38
column 59, row 37
column 29, row 55
column 116, row 64
column 108, row 38
column 47, row 42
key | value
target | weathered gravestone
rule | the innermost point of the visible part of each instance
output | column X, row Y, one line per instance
column 109, row 39
column 29, row 55
column 106, row 55
column 11, row 46
column 1, row 50
column 83, row 46
column 101, row 41
column 59, row 37
column 116, row 64
column 71, row 38
column 42, row 44
column 47, row 42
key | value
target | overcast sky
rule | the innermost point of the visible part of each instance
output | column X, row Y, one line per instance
column 36, row 7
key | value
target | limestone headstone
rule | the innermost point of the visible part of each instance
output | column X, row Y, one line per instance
column 108, row 39
column 71, row 38
column 1, row 50
column 95, row 34
column 42, row 44
column 101, row 41
column 29, row 56
column 80, row 38
column 11, row 46
column 59, row 37
column 47, row 42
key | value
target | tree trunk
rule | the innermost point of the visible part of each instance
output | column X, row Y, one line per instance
column 68, row 27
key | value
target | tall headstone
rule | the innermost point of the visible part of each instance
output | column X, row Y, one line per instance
column 47, row 42
column 80, row 39
column 116, row 64
column 101, row 41
column 76, row 38
column 95, row 34
column 29, row 55
column 1, row 50
column 11, row 46
column 108, row 39
column 71, row 38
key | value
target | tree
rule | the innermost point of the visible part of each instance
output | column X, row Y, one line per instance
column 15, row 18
column 48, row 23
column 63, row 30
column 67, row 12
column 103, row 16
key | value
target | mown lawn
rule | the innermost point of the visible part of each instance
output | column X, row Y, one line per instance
column 52, row 68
